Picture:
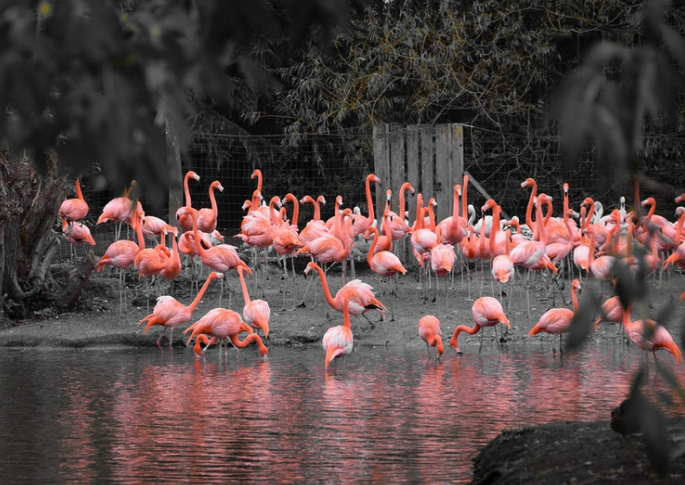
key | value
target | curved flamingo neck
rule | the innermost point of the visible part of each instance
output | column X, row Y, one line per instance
column 241, row 344
column 456, row 202
column 369, row 201
column 317, row 207
column 374, row 242
column 243, row 286
column 405, row 186
column 79, row 194
column 196, row 235
column 201, row 293
column 258, row 173
column 464, row 201
column 296, row 207
column 529, row 208
column 574, row 298
column 137, row 226
column 186, row 189
column 324, row 284
column 540, row 223
column 346, row 314
column 419, row 212
column 494, row 227
column 566, row 207
column 212, row 199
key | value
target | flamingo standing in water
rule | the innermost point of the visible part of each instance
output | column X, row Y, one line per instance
column 429, row 331
column 557, row 321
column 487, row 312
column 256, row 313
column 650, row 336
column 170, row 313
column 184, row 220
column 338, row 341
column 224, row 325
column 76, row 208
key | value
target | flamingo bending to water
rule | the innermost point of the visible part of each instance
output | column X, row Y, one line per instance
column 487, row 312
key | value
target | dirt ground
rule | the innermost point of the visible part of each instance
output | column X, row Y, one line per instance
column 556, row 453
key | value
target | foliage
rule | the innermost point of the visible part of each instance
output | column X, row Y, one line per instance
column 609, row 100
column 96, row 81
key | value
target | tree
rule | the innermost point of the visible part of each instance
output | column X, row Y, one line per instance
column 85, row 83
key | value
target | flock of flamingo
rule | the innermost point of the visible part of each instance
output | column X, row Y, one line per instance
column 583, row 239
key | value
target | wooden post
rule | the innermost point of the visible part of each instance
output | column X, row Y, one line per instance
column 175, row 171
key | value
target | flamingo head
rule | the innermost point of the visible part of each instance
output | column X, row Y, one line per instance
column 256, row 173
column 310, row 266
column 217, row 186
column 648, row 201
column 322, row 200
column 529, row 182
column 192, row 175
column 489, row 204
column 565, row 188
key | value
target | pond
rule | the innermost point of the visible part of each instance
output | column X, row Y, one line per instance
column 381, row 415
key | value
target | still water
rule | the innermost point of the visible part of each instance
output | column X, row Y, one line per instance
column 383, row 415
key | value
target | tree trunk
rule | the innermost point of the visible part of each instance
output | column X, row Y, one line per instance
column 29, row 242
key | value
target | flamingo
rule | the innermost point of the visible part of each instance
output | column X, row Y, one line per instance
column 362, row 224
column 429, row 331
column 611, row 311
column 120, row 254
column 184, row 220
column 454, row 227
column 442, row 258
column 315, row 227
column 76, row 208
column 599, row 266
column 487, row 312
column 330, row 248
column 358, row 295
column 76, row 232
column 557, row 321
column 220, row 258
column 383, row 263
column 399, row 227
column 170, row 313
column 256, row 313
column 650, row 336
column 120, row 209
column 338, row 341
column 152, row 226
column 206, row 218
column 225, row 325
column 199, row 340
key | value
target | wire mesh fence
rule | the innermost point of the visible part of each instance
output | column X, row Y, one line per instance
column 337, row 164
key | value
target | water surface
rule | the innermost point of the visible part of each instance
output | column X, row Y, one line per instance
column 381, row 415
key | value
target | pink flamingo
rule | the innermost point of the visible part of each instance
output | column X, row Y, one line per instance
column 220, row 258
column 359, row 296
column 487, row 312
column 76, row 232
column 184, row 220
column 557, row 321
column 120, row 254
column 170, row 313
column 76, row 208
column 315, row 227
column 206, row 218
column 384, row 263
column 599, row 266
column 611, row 311
column 256, row 313
column 338, row 341
column 224, row 325
column 650, row 336
column 429, row 331
column 399, row 227
column 361, row 224
column 454, row 228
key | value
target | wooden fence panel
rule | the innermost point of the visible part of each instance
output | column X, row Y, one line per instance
column 431, row 158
